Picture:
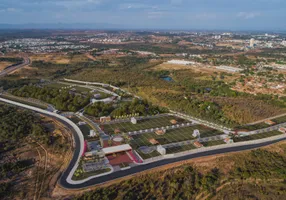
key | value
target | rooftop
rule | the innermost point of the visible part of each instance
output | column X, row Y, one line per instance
column 115, row 149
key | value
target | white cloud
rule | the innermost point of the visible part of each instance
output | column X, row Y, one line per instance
column 205, row 16
column 248, row 15
column 137, row 6
column 9, row 10
column 155, row 15
column 177, row 2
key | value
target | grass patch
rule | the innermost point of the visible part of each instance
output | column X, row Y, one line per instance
column 149, row 155
column 279, row 120
column 254, row 126
column 26, row 102
column 257, row 136
column 142, row 124
column 212, row 143
column 172, row 150
column 89, row 174
column 174, row 135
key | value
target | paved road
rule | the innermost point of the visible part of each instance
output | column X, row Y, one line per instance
column 66, row 182
column 11, row 69
column 140, row 168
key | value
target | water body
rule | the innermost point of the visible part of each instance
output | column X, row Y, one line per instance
column 167, row 78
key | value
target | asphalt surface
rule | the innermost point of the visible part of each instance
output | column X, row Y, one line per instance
column 13, row 68
column 141, row 168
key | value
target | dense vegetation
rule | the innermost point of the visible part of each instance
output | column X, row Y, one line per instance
column 11, row 59
column 141, row 107
column 16, row 124
column 201, row 95
column 61, row 99
column 186, row 182
column 6, row 83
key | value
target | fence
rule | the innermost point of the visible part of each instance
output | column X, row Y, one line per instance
column 223, row 146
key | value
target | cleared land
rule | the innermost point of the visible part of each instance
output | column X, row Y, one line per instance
column 3, row 65
column 171, row 136
column 257, row 136
column 142, row 124
column 212, row 143
column 59, row 58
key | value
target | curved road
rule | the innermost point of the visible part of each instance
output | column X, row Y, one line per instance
column 65, row 179
column 13, row 68
column 141, row 168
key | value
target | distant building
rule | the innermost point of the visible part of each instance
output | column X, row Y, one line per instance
column 217, row 37
column 81, row 123
column 198, row 144
column 104, row 139
column 117, row 131
column 181, row 62
column 282, row 129
column 229, row 68
column 161, row 150
column 173, row 121
column 228, row 140
column 196, row 133
column 105, row 119
column 160, row 132
column 133, row 120
column 269, row 122
column 92, row 133
column 153, row 141
column 251, row 42
column 116, row 149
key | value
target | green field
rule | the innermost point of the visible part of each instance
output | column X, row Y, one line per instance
column 56, row 85
column 79, row 89
column 172, row 150
column 142, row 124
column 257, row 136
column 26, row 102
column 279, row 120
column 89, row 174
column 254, row 126
column 85, row 129
column 212, row 143
column 149, row 155
column 174, row 135
column 262, row 125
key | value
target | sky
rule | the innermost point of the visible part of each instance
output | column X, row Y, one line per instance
column 150, row 14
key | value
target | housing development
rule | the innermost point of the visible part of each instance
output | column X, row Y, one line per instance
column 81, row 109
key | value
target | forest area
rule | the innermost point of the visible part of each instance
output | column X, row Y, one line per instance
column 136, row 106
column 61, row 99
column 196, row 93
column 15, row 126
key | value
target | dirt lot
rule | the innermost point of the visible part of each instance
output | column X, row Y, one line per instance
column 5, row 64
column 59, row 58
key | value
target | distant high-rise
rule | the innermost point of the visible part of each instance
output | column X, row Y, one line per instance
column 251, row 42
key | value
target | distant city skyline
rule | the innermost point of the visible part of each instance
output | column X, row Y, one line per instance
column 148, row 14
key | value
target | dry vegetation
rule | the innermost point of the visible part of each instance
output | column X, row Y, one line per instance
column 59, row 58
column 246, row 110
column 3, row 65
column 228, row 189
column 37, row 181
